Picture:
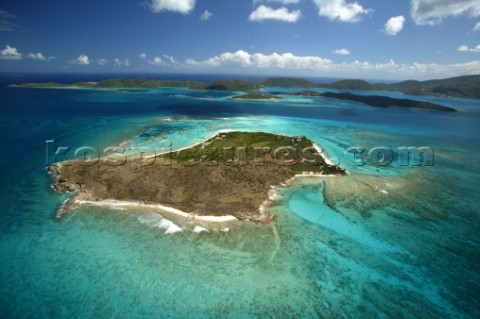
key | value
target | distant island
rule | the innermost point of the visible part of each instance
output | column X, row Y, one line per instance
column 141, row 83
column 462, row 87
column 372, row 100
column 254, row 88
column 257, row 96
column 229, row 174
column 385, row 101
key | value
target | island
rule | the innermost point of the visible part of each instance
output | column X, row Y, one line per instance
column 142, row 83
column 229, row 174
column 309, row 93
column 257, row 96
column 253, row 89
column 372, row 100
column 385, row 101
column 462, row 86
column 287, row 82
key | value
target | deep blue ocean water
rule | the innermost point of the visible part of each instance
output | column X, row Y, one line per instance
column 384, row 242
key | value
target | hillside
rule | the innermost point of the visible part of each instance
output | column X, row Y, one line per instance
column 349, row 85
column 230, row 85
column 144, row 83
column 287, row 83
column 385, row 101
column 463, row 86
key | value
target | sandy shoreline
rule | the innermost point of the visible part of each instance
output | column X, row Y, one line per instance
column 320, row 152
column 157, row 207
column 189, row 146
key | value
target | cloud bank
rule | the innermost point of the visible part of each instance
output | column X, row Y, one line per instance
column 243, row 59
column 302, row 65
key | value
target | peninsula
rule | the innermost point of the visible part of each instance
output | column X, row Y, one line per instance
column 229, row 174
column 372, row 100
column 385, row 101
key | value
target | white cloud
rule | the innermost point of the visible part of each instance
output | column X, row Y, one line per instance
column 118, row 62
column 394, row 25
column 432, row 12
column 278, row 1
column 341, row 10
column 170, row 59
column 102, row 61
column 10, row 53
column 142, row 55
column 40, row 57
column 166, row 60
column 476, row 27
column 341, row 52
column 82, row 59
column 36, row 56
column 192, row 62
column 466, row 48
column 282, row 14
column 180, row 6
column 302, row 65
column 157, row 61
column 206, row 15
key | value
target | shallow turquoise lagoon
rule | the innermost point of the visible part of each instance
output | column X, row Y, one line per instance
column 390, row 241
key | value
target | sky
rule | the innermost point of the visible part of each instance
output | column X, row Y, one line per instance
column 369, row 39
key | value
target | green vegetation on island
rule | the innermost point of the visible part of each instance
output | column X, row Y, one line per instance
column 307, row 93
column 287, row 83
column 463, row 87
column 257, row 96
column 372, row 100
column 139, row 83
column 385, row 101
column 229, row 174
column 349, row 85
column 144, row 83
column 231, row 85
